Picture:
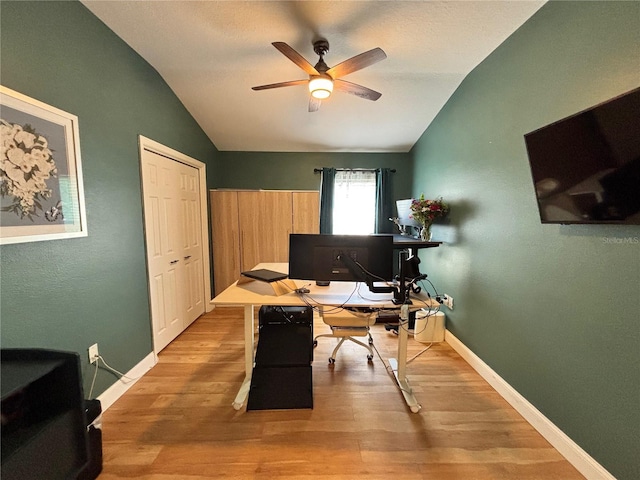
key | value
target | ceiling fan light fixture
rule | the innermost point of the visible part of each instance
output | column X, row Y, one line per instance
column 321, row 86
column 322, row 78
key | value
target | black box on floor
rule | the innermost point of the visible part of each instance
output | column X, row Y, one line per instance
column 275, row 388
column 285, row 345
column 93, row 410
column 43, row 423
column 281, row 315
column 285, row 336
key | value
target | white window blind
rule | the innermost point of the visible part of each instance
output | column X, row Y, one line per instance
column 354, row 202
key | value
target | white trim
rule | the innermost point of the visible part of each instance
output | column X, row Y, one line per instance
column 115, row 391
column 570, row 450
column 153, row 146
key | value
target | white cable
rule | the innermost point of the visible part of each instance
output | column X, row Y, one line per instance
column 418, row 354
column 122, row 375
column 431, row 313
column 313, row 303
column 93, row 382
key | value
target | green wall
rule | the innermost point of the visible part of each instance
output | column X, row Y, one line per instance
column 553, row 309
column 69, row 294
column 294, row 171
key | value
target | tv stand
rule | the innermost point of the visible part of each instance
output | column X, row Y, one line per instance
column 43, row 420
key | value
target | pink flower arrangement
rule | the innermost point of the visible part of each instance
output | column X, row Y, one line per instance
column 424, row 211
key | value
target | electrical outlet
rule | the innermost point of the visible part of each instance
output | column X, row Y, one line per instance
column 93, row 353
column 448, row 301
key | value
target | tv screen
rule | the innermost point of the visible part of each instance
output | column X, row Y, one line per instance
column 586, row 167
column 317, row 257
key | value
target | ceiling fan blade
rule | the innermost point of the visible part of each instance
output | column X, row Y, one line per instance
column 290, row 83
column 357, row 63
column 295, row 57
column 314, row 104
column 355, row 89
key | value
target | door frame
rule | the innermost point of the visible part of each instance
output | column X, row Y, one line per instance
column 147, row 144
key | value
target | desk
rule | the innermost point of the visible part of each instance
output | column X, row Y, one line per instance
column 405, row 241
column 256, row 293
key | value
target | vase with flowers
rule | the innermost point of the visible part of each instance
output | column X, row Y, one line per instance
column 425, row 211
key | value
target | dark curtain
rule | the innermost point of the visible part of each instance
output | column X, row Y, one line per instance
column 326, row 200
column 384, row 201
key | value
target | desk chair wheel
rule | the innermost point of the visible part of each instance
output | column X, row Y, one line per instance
column 370, row 358
column 332, row 360
column 315, row 343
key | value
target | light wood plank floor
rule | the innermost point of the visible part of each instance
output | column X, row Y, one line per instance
column 177, row 422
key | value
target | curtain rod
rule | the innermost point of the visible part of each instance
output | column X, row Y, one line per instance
column 319, row 170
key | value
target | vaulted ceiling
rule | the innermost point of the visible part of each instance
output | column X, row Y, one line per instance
column 212, row 52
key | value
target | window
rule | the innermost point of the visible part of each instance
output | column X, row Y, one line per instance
column 354, row 202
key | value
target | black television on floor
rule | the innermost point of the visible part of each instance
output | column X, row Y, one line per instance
column 586, row 167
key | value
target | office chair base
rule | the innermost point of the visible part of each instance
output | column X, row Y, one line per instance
column 332, row 358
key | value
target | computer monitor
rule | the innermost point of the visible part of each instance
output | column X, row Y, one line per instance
column 404, row 213
column 346, row 258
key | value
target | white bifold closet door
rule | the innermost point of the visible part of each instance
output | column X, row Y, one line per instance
column 172, row 214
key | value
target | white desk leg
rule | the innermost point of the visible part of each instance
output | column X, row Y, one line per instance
column 399, row 365
column 249, row 327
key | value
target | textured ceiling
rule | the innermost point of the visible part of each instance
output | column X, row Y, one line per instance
column 211, row 54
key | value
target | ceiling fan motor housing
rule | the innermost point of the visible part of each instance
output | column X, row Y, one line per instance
column 321, row 47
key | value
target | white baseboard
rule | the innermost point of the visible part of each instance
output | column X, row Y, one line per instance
column 115, row 391
column 570, row 450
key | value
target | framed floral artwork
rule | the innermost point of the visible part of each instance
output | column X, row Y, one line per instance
column 41, row 191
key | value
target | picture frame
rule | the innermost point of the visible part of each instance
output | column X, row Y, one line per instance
column 41, row 186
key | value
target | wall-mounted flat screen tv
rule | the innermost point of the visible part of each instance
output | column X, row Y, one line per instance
column 586, row 167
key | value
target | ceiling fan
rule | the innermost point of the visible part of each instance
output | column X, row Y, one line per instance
column 322, row 79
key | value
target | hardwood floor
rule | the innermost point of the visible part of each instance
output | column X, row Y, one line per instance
column 177, row 422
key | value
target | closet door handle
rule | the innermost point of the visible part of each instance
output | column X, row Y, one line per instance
column 187, row 257
column 173, row 262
